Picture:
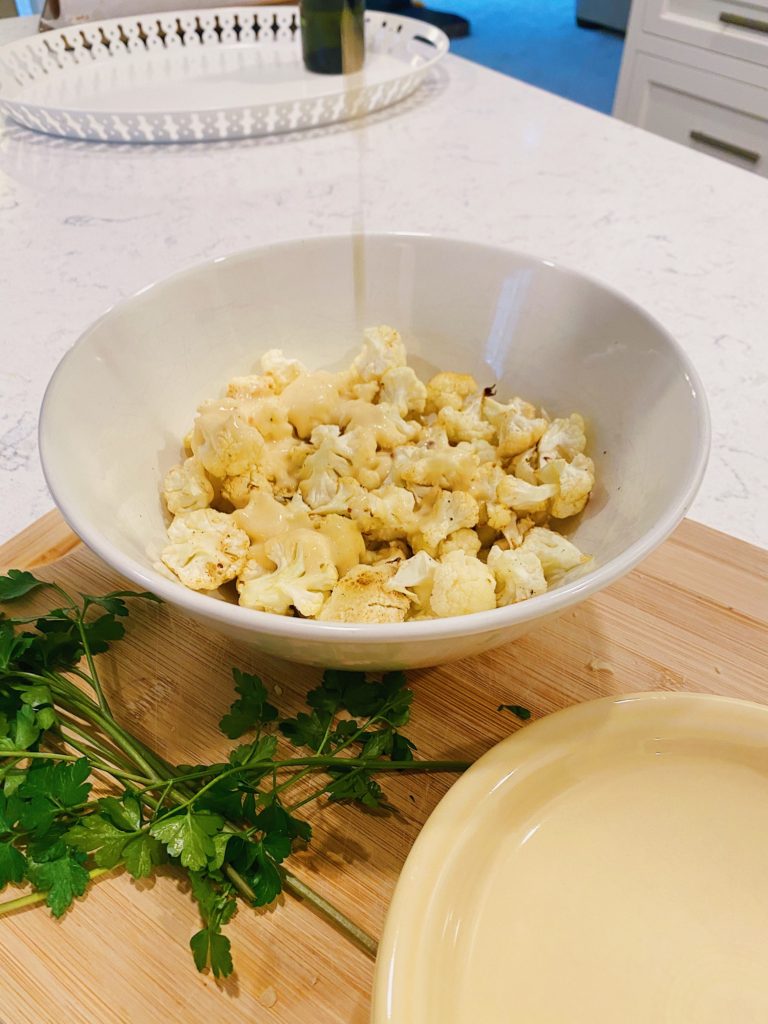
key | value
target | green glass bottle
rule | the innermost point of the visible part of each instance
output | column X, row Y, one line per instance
column 333, row 35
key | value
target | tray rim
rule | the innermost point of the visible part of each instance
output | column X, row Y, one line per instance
column 13, row 105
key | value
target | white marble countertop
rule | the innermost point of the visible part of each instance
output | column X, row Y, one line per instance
column 472, row 154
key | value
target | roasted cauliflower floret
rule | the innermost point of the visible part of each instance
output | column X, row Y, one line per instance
column 251, row 386
column 264, row 517
column 573, row 482
column 556, row 553
column 304, row 573
column 186, row 487
column 402, row 389
column 362, row 596
column 382, row 422
column 516, row 531
column 498, row 516
column 345, row 539
column 312, row 400
column 435, row 467
column 461, row 584
column 449, row 390
column 269, row 418
column 563, row 439
column 465, row 424
column 524, row 466
column 206, row 549
column 524, row 497
column 281, row 464
column 279, row 370
column 453, row 510
column 413, row 578
column 386, row 514
column 223, row 441
column 517, row 425
column 237, row 490
column 395, row 550
column 519, row 574
column 350, row 500
column 382, row 350
column 324, row 466
column 484, row 485
column 462, row 540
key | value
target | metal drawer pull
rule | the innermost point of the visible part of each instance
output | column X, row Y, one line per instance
column 727, row 147
column 756, row 24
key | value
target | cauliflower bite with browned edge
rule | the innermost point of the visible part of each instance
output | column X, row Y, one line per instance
column 368, row 496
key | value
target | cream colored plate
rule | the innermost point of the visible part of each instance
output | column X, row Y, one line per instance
column 607, row 864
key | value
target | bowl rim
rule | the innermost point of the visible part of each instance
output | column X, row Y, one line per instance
column 199, row 604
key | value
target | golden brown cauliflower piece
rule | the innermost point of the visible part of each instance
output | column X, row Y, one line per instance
column 206, row 549
column 573, row 482
column 362, row 596
column 449, row 390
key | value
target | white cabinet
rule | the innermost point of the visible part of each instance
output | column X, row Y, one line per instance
column 696, row 71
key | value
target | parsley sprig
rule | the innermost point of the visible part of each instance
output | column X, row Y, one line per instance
column 229, row 826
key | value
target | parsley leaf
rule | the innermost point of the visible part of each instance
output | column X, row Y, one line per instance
column 211, row 948
column 40, row 700
column 56, row 645
column 17, row 584
column 62, row 879
column 64, row 784
column 99, row 836
column 515, row 709
column 256, row 754
column 275, row 819
column 9, row 813
column 306, row 730
column 355, row 785
column 250, row 710
column 13, row 865
column 25, row 730
column 102, row 631
column 141, row 855
column 125, row 812
column 217, row 906
column 264, row 877
column 12, row 645
column 188, row 836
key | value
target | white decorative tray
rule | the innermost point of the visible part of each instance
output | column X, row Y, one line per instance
column 188, row 76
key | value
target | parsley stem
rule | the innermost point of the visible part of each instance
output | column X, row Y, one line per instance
column 302, row 891
column 103, row 750
column 41, row 755
column 9, row 906
column 94, row 680
column 105, row 768
column 353, row 931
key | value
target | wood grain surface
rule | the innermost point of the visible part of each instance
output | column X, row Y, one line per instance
column 692, row 617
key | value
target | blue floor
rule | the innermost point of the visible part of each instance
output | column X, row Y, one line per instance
column 540, row 42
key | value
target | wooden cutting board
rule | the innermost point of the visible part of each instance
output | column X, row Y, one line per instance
column 694, row 616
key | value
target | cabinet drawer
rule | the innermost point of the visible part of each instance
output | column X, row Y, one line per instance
column 736, row 28
column 706, row 112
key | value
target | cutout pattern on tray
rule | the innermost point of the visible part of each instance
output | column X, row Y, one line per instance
column 39, row 76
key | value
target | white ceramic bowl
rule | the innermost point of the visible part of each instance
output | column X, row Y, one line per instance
column 121, row 400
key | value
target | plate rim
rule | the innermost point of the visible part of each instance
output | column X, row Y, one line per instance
column 553, row 734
